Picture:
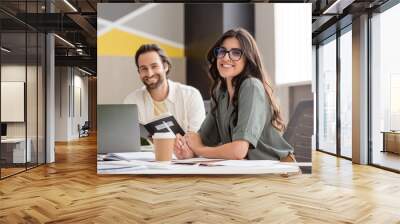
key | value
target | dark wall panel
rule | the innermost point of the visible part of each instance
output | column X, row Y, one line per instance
column 239, row 15
column 204, row 24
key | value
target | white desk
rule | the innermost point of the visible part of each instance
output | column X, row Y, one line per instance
column 18, row 151
column 143, row 166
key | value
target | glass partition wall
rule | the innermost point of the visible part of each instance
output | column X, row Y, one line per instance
column 385, row 89
column 327, row 95
column 334, row 126
column 346, row 95
column 334, row 81
column 22, row 87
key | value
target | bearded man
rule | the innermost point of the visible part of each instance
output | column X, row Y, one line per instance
column 159, row 95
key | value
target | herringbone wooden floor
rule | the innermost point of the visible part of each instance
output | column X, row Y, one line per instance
column 70, row 191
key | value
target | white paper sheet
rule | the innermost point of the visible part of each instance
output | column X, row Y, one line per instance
column 247, row 163
column 143, row 156
column 138, row 164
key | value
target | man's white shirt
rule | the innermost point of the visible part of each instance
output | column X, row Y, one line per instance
column 183, row 102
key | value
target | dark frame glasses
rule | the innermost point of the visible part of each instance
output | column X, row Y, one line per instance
column 235, row 54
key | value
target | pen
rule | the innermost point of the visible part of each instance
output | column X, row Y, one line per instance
column 180, row 163
column 209, row 164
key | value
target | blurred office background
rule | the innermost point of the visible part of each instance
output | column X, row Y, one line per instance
column 52, row 65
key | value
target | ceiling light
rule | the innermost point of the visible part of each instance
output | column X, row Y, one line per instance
column 65, row 41
column 5, row 50
column 337, row 7
column 70, row 5
column 84, row 71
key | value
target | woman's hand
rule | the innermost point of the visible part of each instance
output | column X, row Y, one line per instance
column 193, row 141
column 181, row 149
column 235, row 150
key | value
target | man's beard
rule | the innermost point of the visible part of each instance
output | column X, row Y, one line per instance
column 154, row 85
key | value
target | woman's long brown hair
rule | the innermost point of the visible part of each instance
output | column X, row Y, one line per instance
column 253, row 68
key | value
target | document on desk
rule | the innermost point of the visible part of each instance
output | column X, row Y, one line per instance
column 247, row 163
column 133, row 165
column 143, row 163
column 127, row 167
column 138, row 167
column 194, row 161
column 142, row 156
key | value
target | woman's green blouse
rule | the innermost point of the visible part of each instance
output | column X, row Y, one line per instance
column 253, row 123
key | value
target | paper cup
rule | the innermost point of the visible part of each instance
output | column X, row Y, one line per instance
column 163, row 145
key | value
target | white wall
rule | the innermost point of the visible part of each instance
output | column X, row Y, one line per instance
column 293, row 43
column 68, row 81
column 61, row 103
column 277, row 35
column 33, row 127
column 264, row 35
column 17, row 73
column 80, row 82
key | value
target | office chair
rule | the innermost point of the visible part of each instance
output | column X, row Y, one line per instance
column 300, row 130
column 84, row 130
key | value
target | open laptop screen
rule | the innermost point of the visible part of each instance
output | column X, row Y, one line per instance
column 117, row 128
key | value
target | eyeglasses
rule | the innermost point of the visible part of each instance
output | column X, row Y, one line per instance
column 234, row 54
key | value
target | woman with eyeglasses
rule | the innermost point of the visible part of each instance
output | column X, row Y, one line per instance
column 245, row 121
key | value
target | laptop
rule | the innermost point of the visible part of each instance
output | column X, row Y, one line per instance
column 117, row 128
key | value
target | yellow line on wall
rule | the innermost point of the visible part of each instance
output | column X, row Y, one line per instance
column 120, row 43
